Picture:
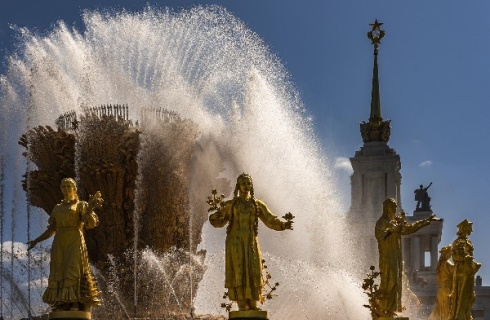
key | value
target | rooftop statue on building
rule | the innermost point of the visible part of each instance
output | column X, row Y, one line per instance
column 422, row 198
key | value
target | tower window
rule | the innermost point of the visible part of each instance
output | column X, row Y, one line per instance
column 427, row 259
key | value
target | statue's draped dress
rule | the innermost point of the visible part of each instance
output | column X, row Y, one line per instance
column 463, row 286
column 70, row 279
column 243, row 261
column 391, row 260
column 445, row 271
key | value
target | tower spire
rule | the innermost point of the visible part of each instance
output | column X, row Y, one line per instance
column 376, row 129
column 375, row 97
column 376, row 34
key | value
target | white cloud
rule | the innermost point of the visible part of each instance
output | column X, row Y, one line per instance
column 425, row 164
column 343, row 163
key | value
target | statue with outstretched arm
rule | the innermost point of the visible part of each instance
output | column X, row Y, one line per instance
column 243, row 262
column 388, row 232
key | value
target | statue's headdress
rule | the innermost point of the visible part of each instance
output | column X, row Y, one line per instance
column 386, row 203
column 464, row 224
column 445, row 252
column 237, row 186
column 242, row 176
column 71, row 181
column 464, row 227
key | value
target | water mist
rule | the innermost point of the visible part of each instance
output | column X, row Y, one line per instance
column 204, row 64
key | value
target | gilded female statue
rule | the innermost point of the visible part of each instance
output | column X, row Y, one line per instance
column 445, row 270
column 71, row 286
column 463, row 287
column 388, row 232
column 243, row 262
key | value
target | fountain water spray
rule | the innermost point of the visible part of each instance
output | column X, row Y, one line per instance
column 113, row 285
column 207, row 66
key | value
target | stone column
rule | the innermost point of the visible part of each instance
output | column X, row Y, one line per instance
column 404, row 253
column 433, row 253
column 398, row 193
column 416, row 252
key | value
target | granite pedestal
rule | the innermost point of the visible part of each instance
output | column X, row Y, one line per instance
column 70, row 315
column 248, row 315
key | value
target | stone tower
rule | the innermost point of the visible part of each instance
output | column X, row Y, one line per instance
column 377, row 177
column 376, row 166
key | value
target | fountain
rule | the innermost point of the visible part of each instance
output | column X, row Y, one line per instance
column 238, row 111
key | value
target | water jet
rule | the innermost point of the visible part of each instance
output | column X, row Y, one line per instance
column 238, row 112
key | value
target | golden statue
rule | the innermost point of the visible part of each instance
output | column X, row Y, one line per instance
column 243, row 263
column 445, row 269
column 465, row 267
column 388, row 232
column 71, row 286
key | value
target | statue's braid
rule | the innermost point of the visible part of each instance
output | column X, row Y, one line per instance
column 256, row 223
column 230, row 223
column 232, row 213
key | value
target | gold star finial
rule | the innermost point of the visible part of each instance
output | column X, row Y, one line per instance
column 376, row 24
column 376, row 34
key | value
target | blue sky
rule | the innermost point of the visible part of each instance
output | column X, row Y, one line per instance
column 434, row 78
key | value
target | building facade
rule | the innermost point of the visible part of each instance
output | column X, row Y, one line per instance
column 376, row 177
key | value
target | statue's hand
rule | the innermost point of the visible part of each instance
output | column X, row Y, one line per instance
column 394, row 229
column 387, row 232
column 288, row 225
column 96, row 200
column 218, row 215
column 289, row 221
